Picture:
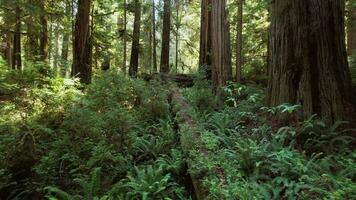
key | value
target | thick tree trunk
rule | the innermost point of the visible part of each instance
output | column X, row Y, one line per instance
column 82, row 47
column 205, row 60
column 307, row 57
column 164, row 67
column 135, row 40
column 16, row 60
column 220, row 57
column 239, row 60
column 154, row 40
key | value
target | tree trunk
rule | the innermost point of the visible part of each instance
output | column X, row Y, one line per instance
column 125, row 38
column 177, row 33
column 135, row 50
column 65, row 41
column 220, row 57
column 17, row 62
column 307, row 57
column 205, row 60
column 227, row 48
column 82, row 49
column 43, row 52
column 351, row 28
column 32, row 44
column 239, row 60
column 154, row 40
column 164, row 68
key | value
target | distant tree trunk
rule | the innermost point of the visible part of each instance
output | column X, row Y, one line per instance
column 17, row 62
column 164, row 67
column 135, row 40
column 8, row 48
column 239, row 60
column 125, row 38
column 220, row 59
column 65, row 41
column 227, row 55
column 43, row 52
column 307, row 57
column 56, row 47
column 82, row 47
column 154, row 40
column 351, row 28
column 205, row 60
column 177, row 33
column 32, row 44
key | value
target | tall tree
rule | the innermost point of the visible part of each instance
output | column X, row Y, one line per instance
column 16, row 60
column 239, row 60
column 307, row 57
column 125, row 38
column 154, row 40
column 66, row 37
column 177, row 32
column 205, row 60
column 135, row 50
column 164, row 67
column 43, row 51
column 220, row 40
column 82, row 48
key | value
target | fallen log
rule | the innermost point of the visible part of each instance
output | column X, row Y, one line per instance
column 190, row 139
column 182, row 80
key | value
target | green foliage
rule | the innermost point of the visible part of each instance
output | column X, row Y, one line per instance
column 305, row 160
column 151, row 183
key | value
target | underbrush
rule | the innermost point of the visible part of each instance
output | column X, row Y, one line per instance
column 253, row 155
column 116, row 139
column 113, row 139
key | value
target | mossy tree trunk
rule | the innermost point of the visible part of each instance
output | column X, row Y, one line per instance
column 135, row 40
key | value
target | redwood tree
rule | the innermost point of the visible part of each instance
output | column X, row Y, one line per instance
column 205, row 61
column 82, row 48
column 164, row 67
column 221, row 60
column 307, row 57
column 135, row 49
column 239, row 40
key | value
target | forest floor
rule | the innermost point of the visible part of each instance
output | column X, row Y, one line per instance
column 123, row 138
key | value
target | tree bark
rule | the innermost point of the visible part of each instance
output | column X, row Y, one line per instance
column 164, row 68
column 16, row 60
column 82, row 47
column 154, row 40
column 135, row 40
column 239, row 60
column 205, row 60
column 220, row 57
column 307, row 57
